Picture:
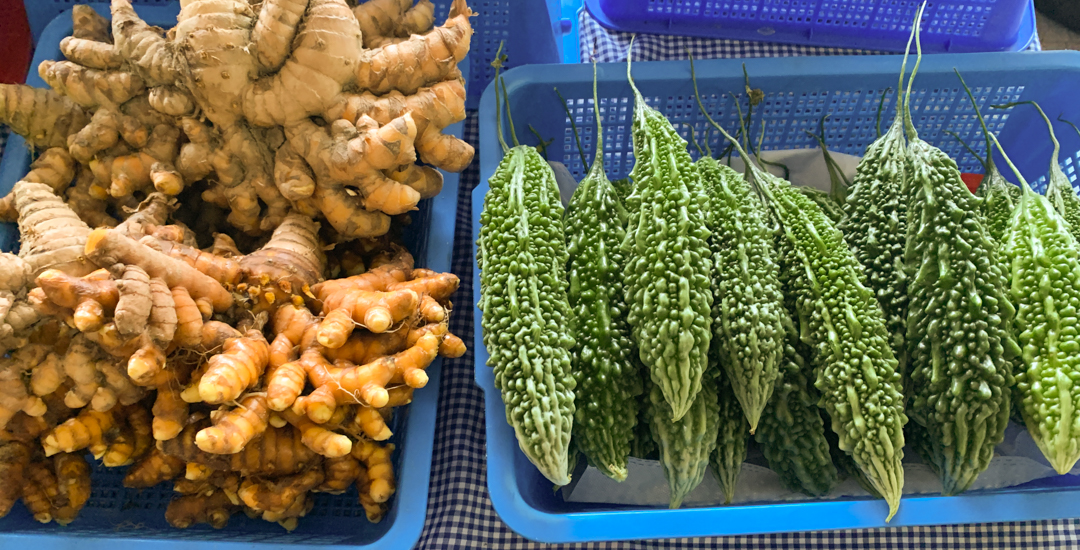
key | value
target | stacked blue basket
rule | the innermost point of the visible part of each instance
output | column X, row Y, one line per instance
column 798, row 92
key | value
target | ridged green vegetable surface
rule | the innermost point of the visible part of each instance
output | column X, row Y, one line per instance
column 527, row 320
column 669, row 267
column 604, row 360
column 747, row 304
column 1045, row 260
column 826, row 203
column 732, row 434
column 686, row 444
column 875, row 226
column 791, row 433
column 998, row 203
column 855, row 370
column 960, row 348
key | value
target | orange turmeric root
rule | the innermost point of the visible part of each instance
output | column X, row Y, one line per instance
column 288, row 266
column 338, row 474
column 375, row 311
column 14, row 459
column 278, row 451
column 279, row 495
column 40, row 490
column 170, row 413
column 233, row 430
column 84, row 431
column 214, row 509
column 317, row 438
column 92, row 298
column 152, row 469
column 73, row 479
column 235, row 369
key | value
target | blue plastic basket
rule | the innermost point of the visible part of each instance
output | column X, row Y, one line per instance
column 953, row 26
column 798, row 93
column 116, row 515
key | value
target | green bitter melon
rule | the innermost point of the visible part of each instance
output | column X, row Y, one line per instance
column 527, row 321
column 686, row 444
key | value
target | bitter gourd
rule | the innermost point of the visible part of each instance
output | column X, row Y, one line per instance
column 875, row 225
column 527, row 321
column 1059, row 190
column 669, row 267
column 791, row 433
column 747, row 303
column 1045, row 260
column 685, row 444
column 959, row 346
column 855, row 369
column 605, row 365
column 732, row 433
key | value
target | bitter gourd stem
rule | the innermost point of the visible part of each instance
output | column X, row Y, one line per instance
column 573, row 127
column 880, row 107
column 909, row 127
column 970, row 149
column 1049, row 126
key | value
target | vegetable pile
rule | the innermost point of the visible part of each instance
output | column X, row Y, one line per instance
column 254, row 362
column 899, row 312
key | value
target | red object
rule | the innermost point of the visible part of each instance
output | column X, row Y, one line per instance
column 16, row 45
column 972, row 181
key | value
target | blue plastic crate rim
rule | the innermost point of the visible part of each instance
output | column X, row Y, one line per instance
column 953, row 26
column 115, row 514
column 798, row 91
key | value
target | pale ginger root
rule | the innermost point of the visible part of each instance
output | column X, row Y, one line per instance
column 421, row 60
column 274, row 31
column 322, row 60
column 88, row 24
column 278, row 451
column 73, row 480
column 152, row 469
column 91, row 53
column 292, row 174
column 109, row 247
column 85, row 431
column 80, row 365
column 380, row 19
column 14, row 395
column 14, row 273
column 432, row 109
column 418, row 19
column 425, row 180
column 171, row 101
column 163, row 319
column 91, row 88
column 14, row 459
column 133, row 306
column 53, row 236
column 285, row 269
column 53, row 167
column 214, row 509
column 143, row 46
column 234, row 429
column 237, row 368
column 43, row 117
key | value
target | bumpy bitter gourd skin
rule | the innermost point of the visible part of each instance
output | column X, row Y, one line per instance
column 1059, row 190
column 960, row 349
column 605, row 365
column 747, row 302
column 854, row 366
column 999, row 201
column 686, row 444
column 792, row 433
column 875, row 226
column 1045, row 261
column 669, row 273
column 527, row 320
column 732, row 434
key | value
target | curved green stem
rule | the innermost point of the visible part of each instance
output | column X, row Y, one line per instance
column 573, row 127
column 599, row 141
column 498, row 63
column 909, row 127
column 989, row 162
column 880, row 108
column 970, row 149
column 1049, row 126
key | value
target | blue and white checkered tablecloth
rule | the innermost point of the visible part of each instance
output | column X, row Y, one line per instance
column 460, row 515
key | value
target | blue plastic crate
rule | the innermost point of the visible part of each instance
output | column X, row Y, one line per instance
column 116, row 515
column 953, row 26
column 798, row 92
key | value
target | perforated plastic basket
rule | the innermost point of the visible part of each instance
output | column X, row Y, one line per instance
column 115, row 515
column 948, row 25
column 798, row 93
